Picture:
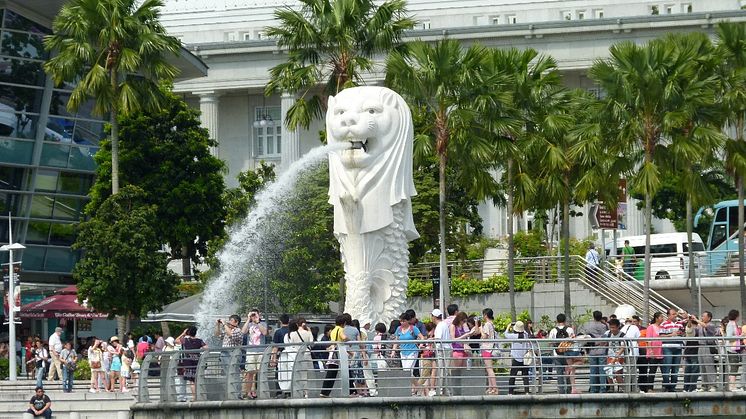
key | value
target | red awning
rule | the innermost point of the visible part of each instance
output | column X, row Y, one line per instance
column 63, row 304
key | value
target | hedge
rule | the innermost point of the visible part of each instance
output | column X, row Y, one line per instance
column 465, row 286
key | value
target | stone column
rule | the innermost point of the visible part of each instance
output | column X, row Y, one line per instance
column 290, row 139
column 208, row 106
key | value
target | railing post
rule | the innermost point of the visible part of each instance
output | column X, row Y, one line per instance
column 262, row 378
column 199, row 377
column 540, row 364
column 143, row 394
column 344, row 369
column 233, row 373
column 168, row 376
column 299, row 383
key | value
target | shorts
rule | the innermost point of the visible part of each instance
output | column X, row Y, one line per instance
column 572, row 354
column 408, row 361
column 459, row 354
column 116, row 365
column 486, row 354
column 356, row 372
column 734, row 359
column 253, row 361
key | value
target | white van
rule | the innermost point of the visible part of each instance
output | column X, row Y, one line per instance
column 669, row 254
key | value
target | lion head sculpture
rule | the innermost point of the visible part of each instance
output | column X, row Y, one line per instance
column 375, row 171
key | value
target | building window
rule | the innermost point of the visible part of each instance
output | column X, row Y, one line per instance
column 495, row 20
column 260, row 35
column 669, row 9
column 599, row 13
column 581, row 14
column 654, row 10
column 597, row 92
column 687, row 8
column 246, row 36
column 267, row 125
column 512, row 19
column 566, row 15
column 425, row 24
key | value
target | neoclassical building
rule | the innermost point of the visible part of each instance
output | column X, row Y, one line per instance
column 229, row 36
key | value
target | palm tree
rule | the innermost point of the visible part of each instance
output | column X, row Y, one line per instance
column 644, row 104
column 535, row 80
column 330, row 44
column 731, row 43
column 116, row 51
column 691, row 153
column 439, row 81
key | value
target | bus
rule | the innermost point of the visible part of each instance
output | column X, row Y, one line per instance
column 722, row 240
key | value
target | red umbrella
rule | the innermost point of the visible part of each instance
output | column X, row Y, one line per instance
column 63, row 304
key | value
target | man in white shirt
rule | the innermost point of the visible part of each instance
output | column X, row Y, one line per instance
column 55, row 347
column 559, row 332
column 442, row 333
column 592, row 259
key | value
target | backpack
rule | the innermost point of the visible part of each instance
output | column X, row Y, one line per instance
column 562, row 333
column 565, row 345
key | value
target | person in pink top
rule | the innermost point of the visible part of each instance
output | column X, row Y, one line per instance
column 654, row 350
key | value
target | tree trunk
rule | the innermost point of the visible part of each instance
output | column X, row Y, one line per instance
column 692, row 275
column 445, row 281
column 165, row 330
column 646, row 289
column 741, row 282
column 511, row 244
column 566, row 256
column 121, row 328
column 342, row 288
column 121, row 320
column 186, row 264
column 114, row 135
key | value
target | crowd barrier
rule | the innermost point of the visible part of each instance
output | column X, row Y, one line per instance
column 444, row 368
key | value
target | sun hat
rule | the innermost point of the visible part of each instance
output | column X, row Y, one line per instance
column 114, row 339
column 437, row 313
column 170, row 341
column 519, row 327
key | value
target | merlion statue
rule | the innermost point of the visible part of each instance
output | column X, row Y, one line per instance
column 371, row 187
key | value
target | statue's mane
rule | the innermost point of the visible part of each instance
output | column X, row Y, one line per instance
column 385, row 182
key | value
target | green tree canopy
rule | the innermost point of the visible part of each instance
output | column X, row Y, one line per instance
column 115, row 53
column 122, row 271
column 166, row 153
column 331, row 43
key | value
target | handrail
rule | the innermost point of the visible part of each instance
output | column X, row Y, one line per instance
column 657, row 301
column 449, row 374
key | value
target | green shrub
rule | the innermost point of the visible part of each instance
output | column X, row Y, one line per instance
column 419, row 288
column 83, row 372
column 5, row 369
column 502, row 320
column 465, row 286
column 529, row 244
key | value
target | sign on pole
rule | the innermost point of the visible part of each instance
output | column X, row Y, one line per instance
column 601, row 218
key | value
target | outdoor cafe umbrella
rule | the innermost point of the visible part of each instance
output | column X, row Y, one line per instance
column 63, row 304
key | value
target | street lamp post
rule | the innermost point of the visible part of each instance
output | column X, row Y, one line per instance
column 11, row 299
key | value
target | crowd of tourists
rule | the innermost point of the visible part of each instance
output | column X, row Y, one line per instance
column 114, row 367
column 616, row 352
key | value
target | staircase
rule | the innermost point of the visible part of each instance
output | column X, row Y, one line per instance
column 80, row 404
column 617, row 286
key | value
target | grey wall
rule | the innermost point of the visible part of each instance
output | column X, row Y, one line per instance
column 678, row 405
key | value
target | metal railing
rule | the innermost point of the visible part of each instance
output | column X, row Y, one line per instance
column 430, row 368
column 628, row 290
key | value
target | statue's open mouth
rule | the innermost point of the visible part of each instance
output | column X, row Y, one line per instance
column 357, row 144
